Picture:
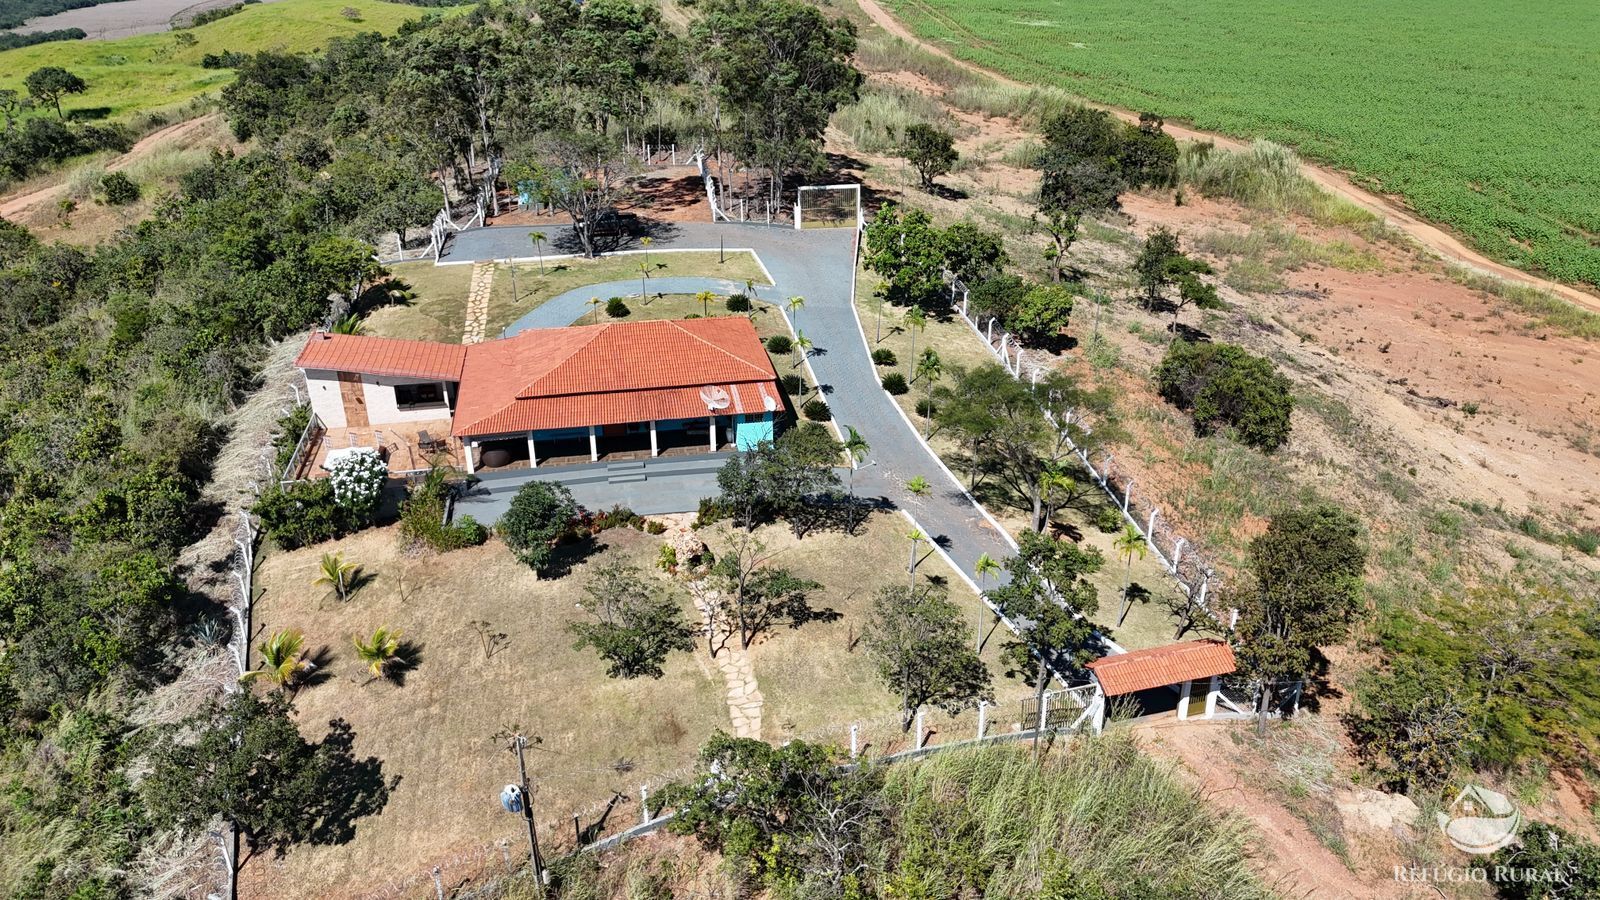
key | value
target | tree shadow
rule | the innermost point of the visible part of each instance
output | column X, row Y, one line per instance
column 1066, row 530
column 354, row 788
column 320, row 661
column 565, row 556
column 1189, row 333
column 407, row 657
column 946, row 192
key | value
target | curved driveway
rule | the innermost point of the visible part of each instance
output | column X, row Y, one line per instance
column 818, row 265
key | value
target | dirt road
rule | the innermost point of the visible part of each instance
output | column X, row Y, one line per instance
column 1429, row 235
column 13, row 206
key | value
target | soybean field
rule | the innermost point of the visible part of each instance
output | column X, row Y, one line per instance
column 1482, row 115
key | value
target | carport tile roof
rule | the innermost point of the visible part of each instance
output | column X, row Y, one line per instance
column 382, row 356
column 1141, row 670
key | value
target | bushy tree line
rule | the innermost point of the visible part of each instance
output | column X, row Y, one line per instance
column 119, row 362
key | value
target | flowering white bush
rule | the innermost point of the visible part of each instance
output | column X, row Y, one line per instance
column 358, row 478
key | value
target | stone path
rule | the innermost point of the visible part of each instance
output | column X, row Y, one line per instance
column 478, row 302
column 744, row 695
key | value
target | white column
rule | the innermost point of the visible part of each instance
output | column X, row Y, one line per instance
column 1183, row 700
column 983, row 717
column 1127, row 495
column 533, row 453
column 712, row 422
column 855, row 740
column 466, row 450
column 644, row 805
column 1099, row 702
column 653, row 450
column 920, row 730
column 594, row 446
column 1211, row 695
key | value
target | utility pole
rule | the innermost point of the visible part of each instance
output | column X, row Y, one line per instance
column 518, row 742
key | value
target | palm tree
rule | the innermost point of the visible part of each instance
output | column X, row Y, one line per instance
column 916, row 537
column 538, row 238
column 1052, row 480
column 857, row 448
column 917, row 484
column 282, row 659
column 802, row 344
column 594, row 307
column 796, row 304
column 917, row 320
column 705, row 298
column 645, row 242
column 336, row 573
column 985, row 568
column 381, row 652
column 644, row 277
column 929, row 368
column 350, row 324
column 1129, row 543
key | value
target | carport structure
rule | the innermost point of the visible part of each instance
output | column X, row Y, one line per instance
column 1173, row 667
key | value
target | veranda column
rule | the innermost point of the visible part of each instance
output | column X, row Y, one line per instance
column 466, row 449
column 713, row 422
column 533, row 454
column 653, row 450
column 1211, row 695
column 1183, row 700
column 594, row 446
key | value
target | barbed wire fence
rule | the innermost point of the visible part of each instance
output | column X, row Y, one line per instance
column 1188, row 567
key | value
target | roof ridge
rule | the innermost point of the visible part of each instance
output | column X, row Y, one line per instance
column 678, row 323
column 528, row 390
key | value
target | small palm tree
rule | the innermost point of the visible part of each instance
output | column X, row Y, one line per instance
column 645, row 242
column 334, row 572
column 350, row 324
column 1129, row 543
column 1052, row 481
column 802, row 346
column 594, row 306
column 644, row 279
column 380, row 652
column 796, row 304
column 538, row 238
column 985, row 568
column 705, row 298
column 929, row 368
column 916, row 320
column 916, row 537
column 857, row 448
column 282, row 659
column 917, row 484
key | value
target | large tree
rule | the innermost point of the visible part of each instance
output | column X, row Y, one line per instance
column 748, row 597
column 636, row 624
column 918, row 639
column 541, row 514
column 1072, row 187
column 908, row 252
column 1302, row 593
column 1225, row 385
column 795, row 478
column 929, row 150
column 581, row 173
column 50, row 84
column 783, row 68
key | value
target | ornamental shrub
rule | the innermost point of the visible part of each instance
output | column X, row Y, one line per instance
column 883, row 356
column 738, row 303
column 817, row 411
column 117, row 189
column 617, row 309
column 926, row 408
column 793, row 385
column 1222, row 384
column 422, row 518
column 540, row 515
column 779, row 343
column 358, row 478
column 302, row 514
column 895, row 383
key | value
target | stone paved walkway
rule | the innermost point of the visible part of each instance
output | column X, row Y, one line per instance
column 478, row 302
column 733, row 661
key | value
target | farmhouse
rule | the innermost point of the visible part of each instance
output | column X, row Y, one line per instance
column 543, row 396
column 1169, row 667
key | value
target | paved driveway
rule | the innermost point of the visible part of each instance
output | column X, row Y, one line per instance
column 818, row 265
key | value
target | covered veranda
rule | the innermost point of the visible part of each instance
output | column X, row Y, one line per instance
column 1159, row 681
column 610, row 443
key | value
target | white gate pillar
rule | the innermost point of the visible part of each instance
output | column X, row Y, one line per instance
column 594, row 446
column 1211, row 695
column 654, row 451
column 533, row 453
column 466, row 449
column 1183, row 700
column 711, row 422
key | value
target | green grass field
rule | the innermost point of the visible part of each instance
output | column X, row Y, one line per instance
column 1478, row 113
column 154, row 72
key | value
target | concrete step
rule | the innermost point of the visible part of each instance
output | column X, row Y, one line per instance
column 625, row 465
column 628, row 478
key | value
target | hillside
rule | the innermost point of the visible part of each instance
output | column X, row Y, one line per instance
column 158, row 71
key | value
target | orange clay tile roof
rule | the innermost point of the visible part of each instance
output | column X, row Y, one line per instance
column 1141, row 670
column 612, row 374
column 382, row 356
column 545, row 378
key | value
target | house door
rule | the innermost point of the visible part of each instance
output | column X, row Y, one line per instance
column 354, row 399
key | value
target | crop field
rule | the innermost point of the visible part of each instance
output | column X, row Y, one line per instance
column 153, row 72
column 1482, row 115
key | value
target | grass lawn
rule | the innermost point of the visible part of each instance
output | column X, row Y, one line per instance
column 1148, row 624
column 439, row 310
column 1469, row 110
column 560, row 276
column 156, row 72
column 436, row 729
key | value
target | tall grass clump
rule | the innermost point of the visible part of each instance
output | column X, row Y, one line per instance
column 991, row 822
column 891, row 54
column 878, row 121
column 1265, row 176
column 1030, row 106
column 1546, row 308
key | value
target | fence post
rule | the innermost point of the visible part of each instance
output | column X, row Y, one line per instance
column 1233, row 619
column 919, row 728
column 855, row 740
column 438, row 883
column 1205, row 584
column 990, row 336
column 1150, row 527
column 1127, row 493
column 983, row 717
column 644, row 805
column 1177, row 553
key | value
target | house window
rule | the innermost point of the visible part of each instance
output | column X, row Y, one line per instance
column 418, row 396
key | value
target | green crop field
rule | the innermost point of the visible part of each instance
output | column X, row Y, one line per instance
column 156, row 71
column 1483, row 115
